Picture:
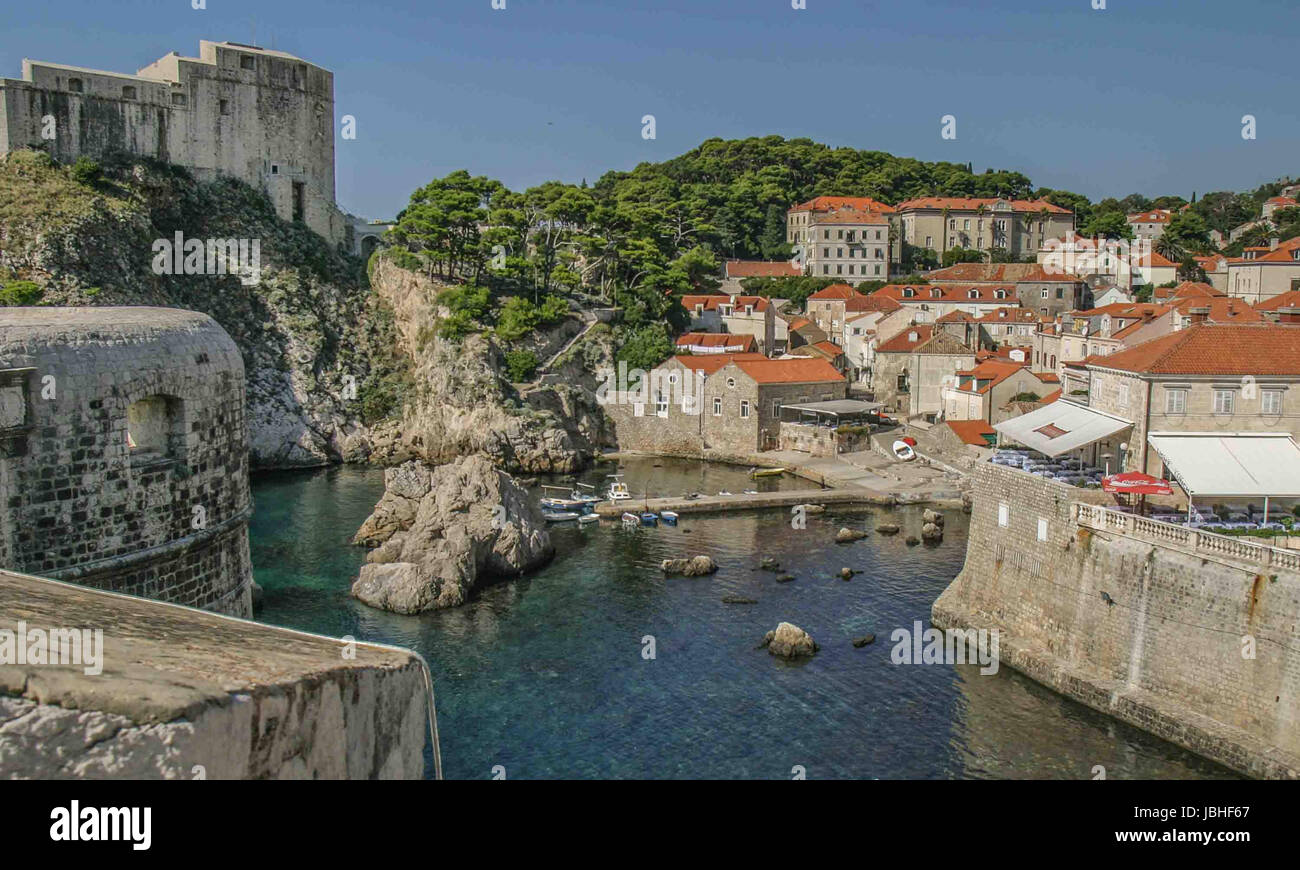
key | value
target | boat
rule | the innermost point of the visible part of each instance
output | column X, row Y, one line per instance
column 575, row 501
column 588, row 518
column 554, row 516
column 618, row 490
column 670, row 517
column 766, row 472
column 630, row 519
column 649, row 518
column 588, row 497
column 723, row 492
column 903, row 450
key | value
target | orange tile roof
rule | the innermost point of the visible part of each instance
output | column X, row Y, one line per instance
column 1051, row 397
column 717, row 342
column 972, row 431
column 976, row 273
column 1156, row 261
column 1289, row 299
column 1159, row 216
column 1213, row 349
column 992, row 371
column 1223, row 309
column 848, row 216
column 712, row 301
column 789, row 371
column 760, row 269
column 961, row 203
column 829, row 347
column 798, row 322
column 861, row 203
column 903, row 342
column 835, row 291
column 949, row 293
column 710, row 363
column 1188, row 289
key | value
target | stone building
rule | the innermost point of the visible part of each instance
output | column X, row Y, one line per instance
column 986, row 391
column 912, row 369
column 832, row 307
column 1019, row 227
column 264, row 117
column 123, row 453
column 1262, row 273
column 738, row 315
column 718, row 406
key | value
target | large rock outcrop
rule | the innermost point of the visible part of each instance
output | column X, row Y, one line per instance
column 439, row 530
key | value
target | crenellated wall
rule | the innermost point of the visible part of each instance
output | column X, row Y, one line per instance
column 1144, row 621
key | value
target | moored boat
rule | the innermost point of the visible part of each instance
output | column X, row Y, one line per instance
column 766, row 472
column 588, row 518
column 649, row 518
column 670, row 517
column 554, row 516
column 903, row 449
column 630, row 519
column 618, row 490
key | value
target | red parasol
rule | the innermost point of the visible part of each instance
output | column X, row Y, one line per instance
column 1136, row 482
column 909, row 440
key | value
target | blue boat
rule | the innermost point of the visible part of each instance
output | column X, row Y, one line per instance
column 649, row 518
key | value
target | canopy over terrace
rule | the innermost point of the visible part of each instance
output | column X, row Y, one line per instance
column 829, row 413
column 1231, row 465
column 1061, row 427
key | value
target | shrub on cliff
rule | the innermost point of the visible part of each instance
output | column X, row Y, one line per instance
column 520, row 365
column 87, row 171
column 15, row 293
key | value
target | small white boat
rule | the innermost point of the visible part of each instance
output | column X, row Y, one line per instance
column 723, row 492
column 904, row 451
column 588, row 518
column 669, row 517
column 589, row 496
column 630, row 519
column 552, row 516
column 618, row 490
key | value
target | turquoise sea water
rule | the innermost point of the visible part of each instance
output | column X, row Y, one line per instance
column 546, row 675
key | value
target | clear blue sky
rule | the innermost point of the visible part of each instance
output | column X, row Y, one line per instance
column 1146, row 96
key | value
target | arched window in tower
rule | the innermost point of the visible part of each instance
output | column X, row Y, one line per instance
column 155, row 429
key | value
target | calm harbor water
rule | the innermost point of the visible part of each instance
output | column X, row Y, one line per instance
column 546, row 676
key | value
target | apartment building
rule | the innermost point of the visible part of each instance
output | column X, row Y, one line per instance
column 1018, row 227
column 1262, row 273
column 734, row 314
column 800, row 217
column 847, row 245
column 988, row 390
column 1048, row 291
column 831, row 307
column 1150, row 225
column 912, row 369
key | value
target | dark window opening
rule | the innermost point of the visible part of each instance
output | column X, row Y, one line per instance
column 155, row 429
column 74, row 85
column 128, row 92
column 225, row 107
column 247, row 61
column 179, row 99
column 299, row 200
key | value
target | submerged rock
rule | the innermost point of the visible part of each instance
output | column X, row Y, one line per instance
column 738, row 599
column 697, row 566
column 767, row 563
column 931, row 532
column 860, row 642
column 437, row 530
column 789, row 641
column 888, row 528
column 845, row 536
column 913, row 540
column 932, row 516
column 813, row 508
column 847, row 573
column 785, row 578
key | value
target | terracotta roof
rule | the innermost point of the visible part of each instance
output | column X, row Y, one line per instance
column 1289, row 299
column 1209, row 262
column 848, row 216
column 1051, row 397
column 789, row 371
column 957, row 317
column 866, row 304
column 861, row 203
column 960, row 203
column 835, row 291
column 717, row 342
column 829, row 347
column 1156, row 261
column 710, row 363
column 1188, row 289
column 711, row 302
column 797, row 322
column 760, row 269
column 972, row 431
column 976, row 273
column 1159, row 216
column 1281, row 200
column 904, row 341
column 1047, row 377
column 1213, row 349
column 949, row 293
column 1223, row 309
column 993, row 372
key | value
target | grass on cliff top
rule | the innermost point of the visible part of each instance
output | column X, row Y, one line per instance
column 34, row 189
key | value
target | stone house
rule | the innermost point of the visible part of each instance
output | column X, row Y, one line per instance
column 1019, row 227
column 831, row 308
column 735, row 314
column 1150, row 225
column 847, row 245
column 1207, row 377
column 912, row 368
column 720, row 406
column 1260, row 274
column 982, row 392
column 800, row 217
column 735, row 271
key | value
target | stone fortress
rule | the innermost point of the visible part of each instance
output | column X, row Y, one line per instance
column 264, row 117
column 123, row 454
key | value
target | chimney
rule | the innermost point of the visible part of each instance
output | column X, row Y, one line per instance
column 1288, row 315
column 1198, row 315
column 1272, row 244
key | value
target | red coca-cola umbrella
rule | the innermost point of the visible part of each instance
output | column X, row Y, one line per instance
column 1137, row 483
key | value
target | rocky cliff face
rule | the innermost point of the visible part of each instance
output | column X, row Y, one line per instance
column 438, row 530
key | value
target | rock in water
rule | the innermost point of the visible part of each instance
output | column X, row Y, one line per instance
column 846, row 573
column 913, row 540
column 258, row 595
column 694, row 567
column 439, row 529
column 860, row 642
column 738, row 599
column 813, row 508
column 932, row 516
column 767, row 563
column 785, row 578
column 888, row 528
column 844, row 536
column 931, row 532
column 789, row 641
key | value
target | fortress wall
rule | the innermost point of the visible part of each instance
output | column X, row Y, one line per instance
column 184, row 694
column 80, row 503
column 1166, row 656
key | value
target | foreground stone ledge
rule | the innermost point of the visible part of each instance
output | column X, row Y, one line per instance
column 184, row 694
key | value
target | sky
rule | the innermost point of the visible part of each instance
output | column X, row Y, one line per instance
column 1142, row 96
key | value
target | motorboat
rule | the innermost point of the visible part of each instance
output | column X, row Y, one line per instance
column 554, row 516
column 631, row 519
column 649, row 518
column 572, row 503
column 587, row 519
column 618, row 490
column 669, row 517
column 589, row 495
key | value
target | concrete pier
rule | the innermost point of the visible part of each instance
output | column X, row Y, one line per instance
column 741, row 501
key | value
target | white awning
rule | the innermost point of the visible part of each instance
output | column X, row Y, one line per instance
column 1231, row 464
column 1061, row 427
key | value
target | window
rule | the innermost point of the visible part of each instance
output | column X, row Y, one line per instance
column 744, row 408
column 731, row 383
column 776, row 407
column 1042, row 529
column 225, row 107
column 128, row 92
column 155, row 428
column 1223, row 401
column 75, row 85
column 1043, row 293
column 688, row 404
column 247, row 61
column 1004, row 512
column 717, row 406
column 179, row 99
column 1270, row 402
column 1060, row 293
column 1175, row 401
column 275, row 169
column 661, row 405
column 929, row 241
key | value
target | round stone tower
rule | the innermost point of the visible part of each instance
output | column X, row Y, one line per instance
column 123, row 453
